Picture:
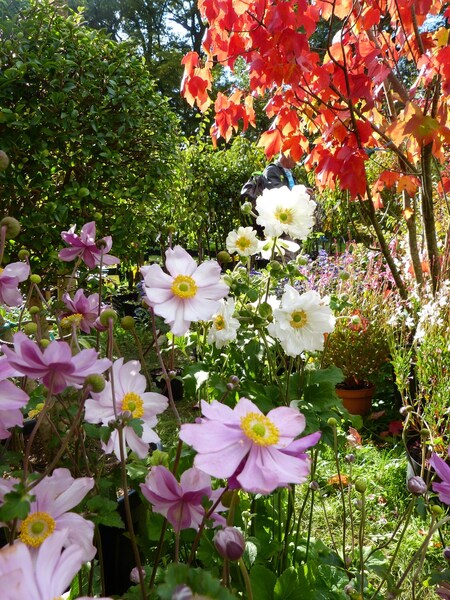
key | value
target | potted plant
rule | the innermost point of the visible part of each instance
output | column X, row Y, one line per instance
column 359, row 347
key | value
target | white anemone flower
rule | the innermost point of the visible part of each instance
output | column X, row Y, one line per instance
column 243, row 241
column 224, row 326
column 130, row 396
column 281, row 247
column 281, row 210
column 301, row 321
column 188, row 292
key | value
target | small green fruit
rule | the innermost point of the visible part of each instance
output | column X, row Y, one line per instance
column 361, row 485
column 34, row 278
column 127, row 323
column 108, row 315
column 44, row 343
column 96, row 383
column 23, row 254
column 30, row 328
column 12, row 227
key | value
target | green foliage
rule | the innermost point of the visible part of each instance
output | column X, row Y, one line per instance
column 199, row 582
column 88, row 135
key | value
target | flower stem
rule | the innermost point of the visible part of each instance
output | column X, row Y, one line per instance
column 248, row 585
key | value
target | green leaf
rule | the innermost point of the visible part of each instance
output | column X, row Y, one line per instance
column 287, row 586
column 263, row 582
column 16, row 504
column 104, row 512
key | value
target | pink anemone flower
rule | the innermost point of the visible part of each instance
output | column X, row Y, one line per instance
column 44, row 575
column 130, row 396
column 259, row 451
column 84, row 246
column 187, row 293
column 54, row 496
column 10, row 277
column 12, row 400
column 55, row 366
column 443, row 470
column 85, row 308
column 181, row 503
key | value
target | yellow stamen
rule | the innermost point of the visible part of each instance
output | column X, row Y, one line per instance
column 284, row 215
column 36, row 528
column 260, row 429
column 70, row 320
column 242, row 243
column 134, row 404
column 184, row 286
column 35, row 411
column 219, row 323
column 298, row 319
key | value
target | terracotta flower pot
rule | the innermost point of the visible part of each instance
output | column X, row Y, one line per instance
column 357, row 401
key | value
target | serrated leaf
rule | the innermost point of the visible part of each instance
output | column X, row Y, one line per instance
column 263, row 582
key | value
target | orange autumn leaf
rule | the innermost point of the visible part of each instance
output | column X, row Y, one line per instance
column 409, row 184
column 408, row 213
column 271, row 142
column 337, row 480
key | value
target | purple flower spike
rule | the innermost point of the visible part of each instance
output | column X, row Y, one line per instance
column 55, row 366
column 85, row 247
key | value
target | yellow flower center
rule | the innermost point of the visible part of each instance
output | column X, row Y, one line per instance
column 184, row 286
column 70, row 320
column 298, row 319
column 1, row 270
column 36, row 528
column 243, row 243
column 35, row 411
column 260, row 429
column 284, row 215
column 219, row 323
column 134, row 404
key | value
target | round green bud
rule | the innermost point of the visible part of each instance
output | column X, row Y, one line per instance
column 97, row 216
column 275, row 266
column 171, row 228
column 361, row 485
column 107, row 315
column 4, row 160
column 302, row 260
column 12, row 227
column 436, row 510
column 96, row 383
column 265, row 310
column 35, row 278
column 246, row 208
column 33, row 310
column 44, row 343
column 127, row 323
column 344, row 275
column 424, row 434
column 227, row 497
column 83, row 192
column 159, row 457
column 332, row 422
column 23, row 254
column 30, row 328
column 224, row 257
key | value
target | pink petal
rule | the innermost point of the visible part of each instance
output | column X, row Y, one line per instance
column 179, row 262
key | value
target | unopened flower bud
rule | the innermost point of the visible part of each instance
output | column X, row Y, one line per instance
column 101, row 244
column 302, row 260
column 44, row 342
column 275, row 266
column 33, row 310
column 314, row 486
column 172, row 374
column 350, row 458
column 332, row 422
column 229, row 543
column 4, row 160
column 265, row 310
column 35, row 278
column 134, row 575
column 230, row 387
column 436, row 510
column 171, row 228
column 359, row 504
column 446, row 553
column 30, row 328
column 417, row 486
column 159, row 457
column 226, row 498
column 183, row 592
column 361, row 485
column 23, row 254
column 246, row 208
column 234, row 379
column 107, row 315
column 12, row 226
column 406, row 409
column 424, row 434
column 96, row 382
column 127, row 323
column 224, row 257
